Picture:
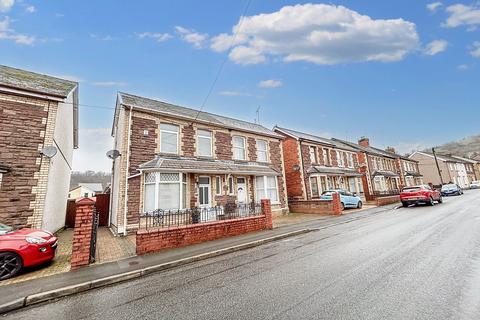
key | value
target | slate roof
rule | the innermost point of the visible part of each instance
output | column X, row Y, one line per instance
column 313, row 138
column 374, row 151
column 96, row 187
column 443, row 157
column 191, row 114
column 196, row 165
column 35, row 82
column 413, row 174
column 334, row 171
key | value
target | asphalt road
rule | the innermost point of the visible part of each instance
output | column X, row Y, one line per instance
column 409, row 263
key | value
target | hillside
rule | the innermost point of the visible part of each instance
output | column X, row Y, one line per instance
column 89, row 177
column 467, row 147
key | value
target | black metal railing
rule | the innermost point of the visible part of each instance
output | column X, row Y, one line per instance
column 93, row 239
column 386, row 193
column 173, row 218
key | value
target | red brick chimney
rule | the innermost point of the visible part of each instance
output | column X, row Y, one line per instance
column 390, row 149
column 364, row 142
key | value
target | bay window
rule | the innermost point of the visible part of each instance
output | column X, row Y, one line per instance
column 266, row 188
column 314, row 187
column 168, row 138
column 204, row 143
column 165, row 191
column 239, row 148
column 262, row 151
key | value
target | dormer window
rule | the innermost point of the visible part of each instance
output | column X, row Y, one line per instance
column 169, row 138
column 239, row 148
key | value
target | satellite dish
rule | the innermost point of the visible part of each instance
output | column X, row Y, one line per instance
column 113, row 154
column 49, row 151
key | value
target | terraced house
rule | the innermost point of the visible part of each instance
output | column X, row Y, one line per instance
column 314, row 164
column 174, row 158
column 38, row 132
column 380, row 169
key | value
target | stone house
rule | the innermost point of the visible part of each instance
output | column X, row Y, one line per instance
column 471, row 166
column 174, row 158
column 314, row 164
column 381, row 169
column 452, row 170
column 38, row 132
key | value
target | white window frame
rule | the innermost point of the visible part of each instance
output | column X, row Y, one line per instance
column 231, row 185
column 312, row 151
column 209, row 137
column 350, row 161
column 326, row 157
column 265, row 151
column 169, row 131
column 218, row 186
column 340, row 159
column 157, row 182
column 265, row 188
column 239, row 148
column 318, row 187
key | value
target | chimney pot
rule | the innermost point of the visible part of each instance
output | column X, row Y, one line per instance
column 364, row 142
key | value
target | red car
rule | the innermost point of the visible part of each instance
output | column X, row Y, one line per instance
column 24, row 248
column 420, row 194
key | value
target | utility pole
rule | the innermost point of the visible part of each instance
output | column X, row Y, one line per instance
column 438, row 167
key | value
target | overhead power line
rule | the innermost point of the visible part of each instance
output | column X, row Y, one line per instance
column 210, row 90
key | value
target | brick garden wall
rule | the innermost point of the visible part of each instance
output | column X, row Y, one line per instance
column 154, row 240
column 331, row 207
column 82, row 233
column 383, row 201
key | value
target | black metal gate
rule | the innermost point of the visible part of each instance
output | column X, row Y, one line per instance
column 93, row 239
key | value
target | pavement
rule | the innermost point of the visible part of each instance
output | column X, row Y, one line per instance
column 38, row 290
column 409, row 263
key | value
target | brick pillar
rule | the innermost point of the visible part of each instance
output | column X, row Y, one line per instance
column 337, row 204
column 82, row 233
column 267, row 211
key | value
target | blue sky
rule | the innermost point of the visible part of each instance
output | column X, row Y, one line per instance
column 404, row 73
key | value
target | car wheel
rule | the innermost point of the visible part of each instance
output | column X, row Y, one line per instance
column 359, row 205
column 10, row 264
column 440, row 200
column 431, row 202
column 405, row 204
column 342, row 206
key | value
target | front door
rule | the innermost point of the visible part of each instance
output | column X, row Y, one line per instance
column 241, row 190
column 204, row 192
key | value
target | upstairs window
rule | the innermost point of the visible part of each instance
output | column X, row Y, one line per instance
column 350, row 160
column 313, row 154
column 239, row 148
column 204, row 143
column 340, row 160
column 168, row 138
column 262, row 151
column 326, row 156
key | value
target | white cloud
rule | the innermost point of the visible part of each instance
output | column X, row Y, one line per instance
column 109, row 84
column 475, row 52
column 462, row 15
column 434, row 6
column 192, row 37
column 318, row 33
column 409, row 147
column 6, row 5
column 93, row 144
column 435, row 47
column 7, row 33
column 30, row 9
column 159, row 37
column 101, row 38
column 463, row 67
column 271, row 83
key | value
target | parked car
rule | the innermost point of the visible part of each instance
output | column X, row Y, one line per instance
column 24, row 248
column 348, row 199
column 451, row 189
column 475, row 184
column 421, row 194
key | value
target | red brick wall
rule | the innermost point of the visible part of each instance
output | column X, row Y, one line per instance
column 20, row 135
column 82, row 233
column 383, row 201
column 293, row 178
column 149, row 241
column 332, row 207
column 223, row 145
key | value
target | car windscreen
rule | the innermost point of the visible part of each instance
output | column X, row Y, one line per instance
column 449, row 186
column 4, row 229
column 327, row 193
column 411, row 189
